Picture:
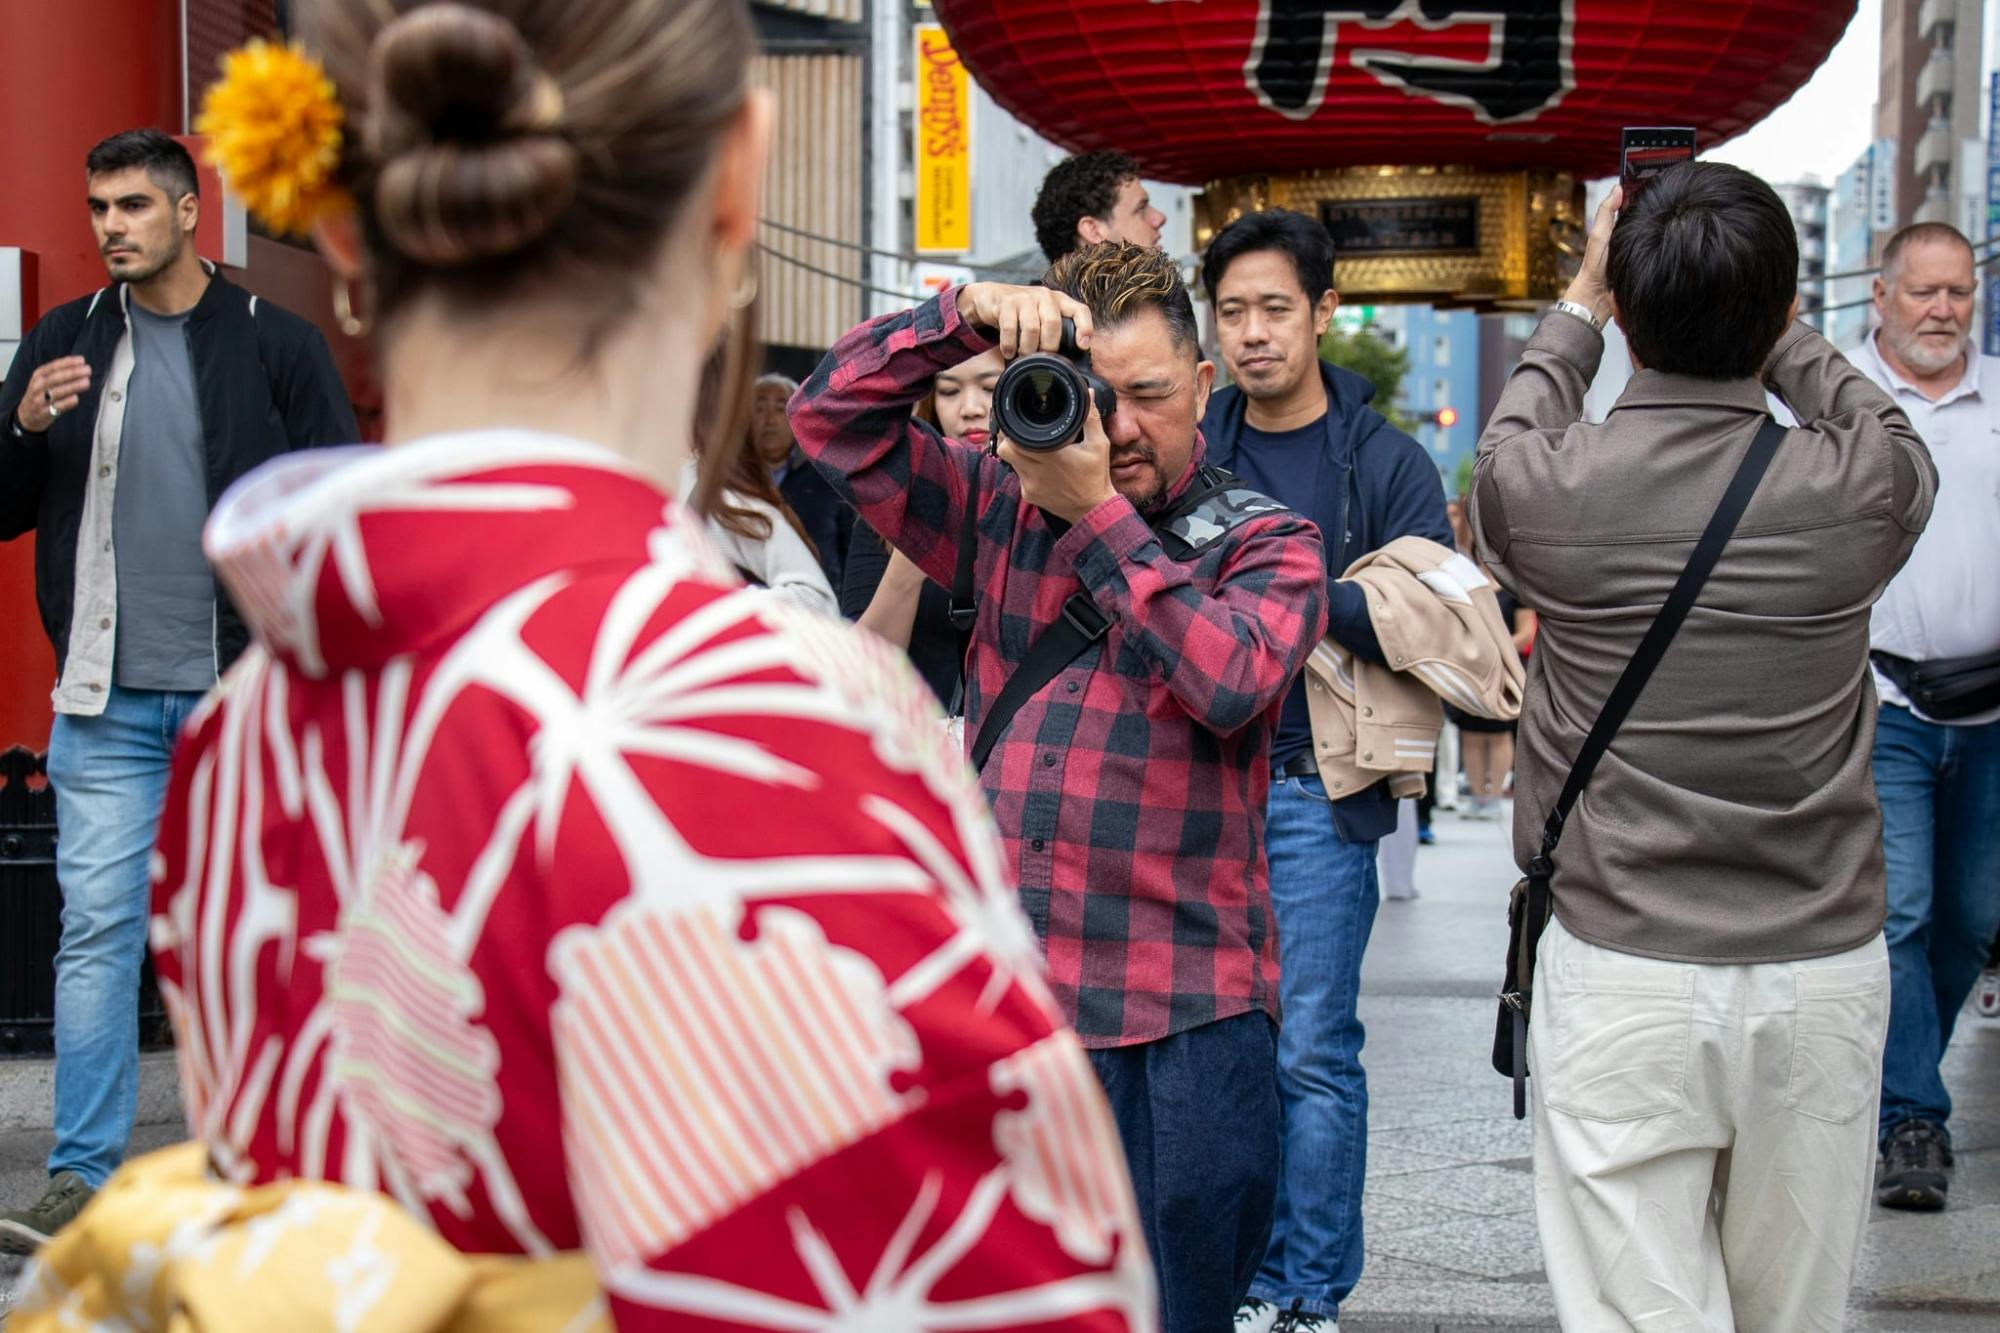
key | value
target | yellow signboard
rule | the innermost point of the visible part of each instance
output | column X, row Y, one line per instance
column 944, row 145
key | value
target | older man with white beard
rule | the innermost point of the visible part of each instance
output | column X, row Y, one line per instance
column 1935, row 637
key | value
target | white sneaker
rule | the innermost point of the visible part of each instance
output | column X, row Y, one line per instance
column 1255, row 1316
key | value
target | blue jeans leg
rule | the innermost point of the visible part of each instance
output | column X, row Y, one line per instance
column 1940, row 792
column 1323, row 892
column 1199, row 1120
column 110, row 778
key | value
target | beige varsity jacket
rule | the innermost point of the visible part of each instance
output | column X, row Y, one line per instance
column 1439, row 622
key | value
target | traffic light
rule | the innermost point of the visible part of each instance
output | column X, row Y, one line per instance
column 1445, row 416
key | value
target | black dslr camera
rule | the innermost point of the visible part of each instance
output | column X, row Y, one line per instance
column 1042, row 400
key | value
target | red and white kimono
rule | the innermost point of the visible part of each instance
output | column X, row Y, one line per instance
column 535, row 874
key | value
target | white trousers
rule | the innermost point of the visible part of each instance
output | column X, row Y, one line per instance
column 1444, row 777
column 1704, row 1136
column 1396, row 855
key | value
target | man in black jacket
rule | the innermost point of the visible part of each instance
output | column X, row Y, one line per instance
column 1302, row 431
column 124, row 417
column 828, row 520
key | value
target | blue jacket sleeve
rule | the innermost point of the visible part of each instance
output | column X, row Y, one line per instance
column 1402, row 496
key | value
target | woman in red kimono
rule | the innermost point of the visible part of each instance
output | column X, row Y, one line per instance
column 530, row 871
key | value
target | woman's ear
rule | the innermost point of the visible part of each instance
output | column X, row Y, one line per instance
column 739, row 174
column 338, row 238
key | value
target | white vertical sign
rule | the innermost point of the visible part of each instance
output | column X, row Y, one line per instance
column 1882, row 186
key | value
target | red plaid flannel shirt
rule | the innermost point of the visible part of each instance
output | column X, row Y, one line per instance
column 1130, row 790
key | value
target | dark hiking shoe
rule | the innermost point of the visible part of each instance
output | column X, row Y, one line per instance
column 27, row 1231
column 1914, row 1161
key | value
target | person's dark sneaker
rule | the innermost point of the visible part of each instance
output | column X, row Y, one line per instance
column 1914, row 1161
column 28, row 1230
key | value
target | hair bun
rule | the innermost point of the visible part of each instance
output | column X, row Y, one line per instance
column 466, row 129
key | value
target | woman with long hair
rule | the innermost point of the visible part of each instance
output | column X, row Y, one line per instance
column 752, row 526
column 630, row 948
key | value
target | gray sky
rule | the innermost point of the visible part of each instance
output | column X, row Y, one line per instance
column 1828, row 122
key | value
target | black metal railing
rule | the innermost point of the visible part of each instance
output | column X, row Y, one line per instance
column 31, row 916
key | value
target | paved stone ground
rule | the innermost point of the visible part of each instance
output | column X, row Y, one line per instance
column 1449, row 1206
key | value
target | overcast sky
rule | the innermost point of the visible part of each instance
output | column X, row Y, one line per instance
column 1830, row 120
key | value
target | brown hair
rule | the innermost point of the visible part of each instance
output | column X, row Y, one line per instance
column 1117, row 280
column 518, row 147
column 751, row 477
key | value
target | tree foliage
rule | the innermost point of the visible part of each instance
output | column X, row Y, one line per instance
column 1376, row 360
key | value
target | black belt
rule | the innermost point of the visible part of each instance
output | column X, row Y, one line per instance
column 1300, row 765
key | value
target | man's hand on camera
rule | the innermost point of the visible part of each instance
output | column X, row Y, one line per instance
column 1023, row 319
column 1591, row 289
column 1068, row 482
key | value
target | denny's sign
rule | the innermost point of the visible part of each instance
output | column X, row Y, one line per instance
column 943, row 145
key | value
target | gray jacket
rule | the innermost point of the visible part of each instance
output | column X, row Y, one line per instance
column 1734, row 819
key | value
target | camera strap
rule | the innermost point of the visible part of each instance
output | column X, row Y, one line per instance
column 1214, row 505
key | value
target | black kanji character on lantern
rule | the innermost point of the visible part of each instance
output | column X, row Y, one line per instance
column 1297, row 40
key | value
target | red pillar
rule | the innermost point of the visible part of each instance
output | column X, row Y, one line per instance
column 70, row 74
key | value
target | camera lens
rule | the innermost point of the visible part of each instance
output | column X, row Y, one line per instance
column 1039, row 402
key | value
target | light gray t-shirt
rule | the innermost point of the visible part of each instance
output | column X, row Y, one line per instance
column 166, row 593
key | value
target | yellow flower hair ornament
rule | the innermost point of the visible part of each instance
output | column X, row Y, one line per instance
column 273, row 124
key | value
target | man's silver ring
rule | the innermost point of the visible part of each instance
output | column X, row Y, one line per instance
column 50, row 399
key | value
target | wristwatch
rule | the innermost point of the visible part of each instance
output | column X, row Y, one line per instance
column 1582, row 312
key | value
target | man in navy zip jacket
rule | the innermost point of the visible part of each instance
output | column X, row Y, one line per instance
column 1302, row 432
column 123, row 418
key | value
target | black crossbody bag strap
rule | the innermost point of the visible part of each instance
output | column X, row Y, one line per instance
column 964, row 611
column 1652, row 648
column 1081, row 625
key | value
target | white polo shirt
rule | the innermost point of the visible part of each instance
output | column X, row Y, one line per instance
column 1946, row 601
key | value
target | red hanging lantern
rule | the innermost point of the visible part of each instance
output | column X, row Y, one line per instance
column 1196, row 90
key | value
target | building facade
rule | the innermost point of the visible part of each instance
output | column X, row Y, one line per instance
column 1441, row 389
column 1807, row 201
column 1929, row 100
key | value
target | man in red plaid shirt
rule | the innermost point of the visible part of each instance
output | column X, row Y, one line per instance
column 1130, row 789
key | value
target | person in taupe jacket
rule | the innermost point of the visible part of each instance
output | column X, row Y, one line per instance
column 1712, row 993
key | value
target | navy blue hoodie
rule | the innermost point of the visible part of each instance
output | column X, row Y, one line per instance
column 1387, row 487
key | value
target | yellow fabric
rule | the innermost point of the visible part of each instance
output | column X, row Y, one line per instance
column 165, row 1249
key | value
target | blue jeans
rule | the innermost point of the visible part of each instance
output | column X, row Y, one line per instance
column 1199, row 1121
column 110, row 778
column 1323, row 891
column 1940, row 793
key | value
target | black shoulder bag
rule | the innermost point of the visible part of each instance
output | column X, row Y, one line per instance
column 1216, row 503
column 1529, row 905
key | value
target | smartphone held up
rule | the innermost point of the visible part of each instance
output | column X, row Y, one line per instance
column 1646, row 151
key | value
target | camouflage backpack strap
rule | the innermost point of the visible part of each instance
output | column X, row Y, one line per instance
column 1217, row 504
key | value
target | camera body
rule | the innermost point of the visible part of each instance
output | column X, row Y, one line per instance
column 1043, row 400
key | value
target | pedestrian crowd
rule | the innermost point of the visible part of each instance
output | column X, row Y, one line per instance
column 550, row 891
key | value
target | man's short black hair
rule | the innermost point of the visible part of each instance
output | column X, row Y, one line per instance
column 1079, row 187
column 167, row 164
column 1705, row 267
column 1301, row 239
